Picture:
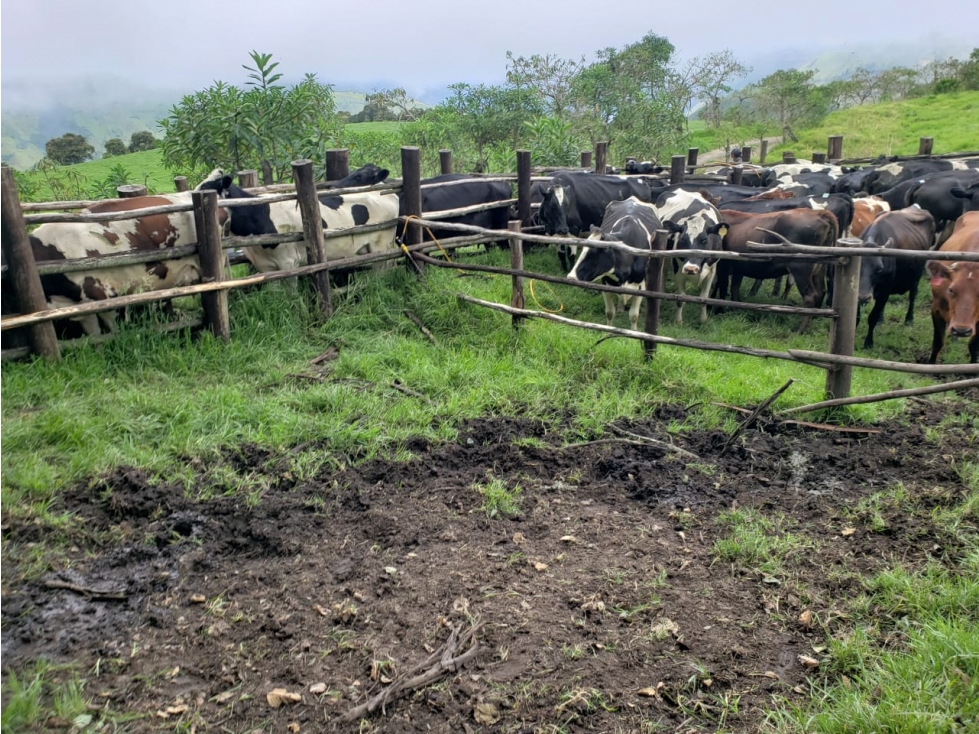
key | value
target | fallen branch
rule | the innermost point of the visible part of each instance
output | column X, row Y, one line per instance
column 890, row 395
column 656, row 442
column 754, row 416
column 85, row 590
column 436, row 665
column 328, row 356
column 417, row 322
column 408, row 391
column 828, row 427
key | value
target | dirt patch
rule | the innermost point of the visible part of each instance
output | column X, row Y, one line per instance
column 601, row 604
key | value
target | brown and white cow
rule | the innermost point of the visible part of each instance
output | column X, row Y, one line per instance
column 955, row 290
column 865, row 210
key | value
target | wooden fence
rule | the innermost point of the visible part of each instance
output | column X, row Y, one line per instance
column 24, row 272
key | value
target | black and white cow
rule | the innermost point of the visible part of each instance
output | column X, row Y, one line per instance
column 881, row 277
column 575, row 202
column 437, row 198
column 695, row 224
column 631, row 222
column 644, row 167
column 889, row 175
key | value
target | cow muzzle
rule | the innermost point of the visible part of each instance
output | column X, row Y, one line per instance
column 865, row 297
column 691, row 269
column 961, row 331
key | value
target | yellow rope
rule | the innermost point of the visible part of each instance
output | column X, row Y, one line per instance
column 542, row 307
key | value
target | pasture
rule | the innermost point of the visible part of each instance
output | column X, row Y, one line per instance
column 316, row 506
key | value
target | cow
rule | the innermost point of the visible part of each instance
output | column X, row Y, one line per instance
column 852, row 182
column 911, row 229
column 806, row 184
column 889, row 175
column 574, row 202
column 955, row 290
column 865, row 210
column 695, row 224
column 436, row 198
column 803, row 166
column 801, row 226
column 935, row 196
column 969, row 195
column 367, row 175
column 631, row 222
column 644, row 167
column 66, row 241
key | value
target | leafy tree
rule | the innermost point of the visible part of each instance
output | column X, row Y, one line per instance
column 789, row 98
column 68, row 149
column 390, row 104
column 142, row 140
column 708, row 78
column 549, row 79
column 232, row 128
column 113, row 147
column 969, row 71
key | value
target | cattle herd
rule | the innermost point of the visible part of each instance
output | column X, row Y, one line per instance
column 913, row 205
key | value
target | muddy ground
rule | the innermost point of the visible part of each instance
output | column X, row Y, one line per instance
column 600, row 606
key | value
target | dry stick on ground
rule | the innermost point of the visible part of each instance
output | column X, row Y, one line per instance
column 87, row 591
column 438, row 664
column 329, row 355
column 656, row 442
column 891, row 395
column 420, row 325
column 408, row 391
column 806, row 424
column 754, row 416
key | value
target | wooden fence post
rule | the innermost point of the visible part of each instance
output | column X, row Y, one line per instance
column 267, row 178
column 337, row 164
column 746, row 153
column 248, row 179
column 445, row 162
column 834, row 148
column 654, row 282
column 764, row 153
column 818, row 157
column 677, row 164
column 516, row 263
column 843, row 328
column 523, row 189
column 925, row 145
column 180, row 183
column 212, row 259
column 601, row 151
column 309, row 209
column 788, row 157
column 131, row 191
column 736, row 175
column 23, row 268
column 586, row 159
column 411, row 196
column 692, row 159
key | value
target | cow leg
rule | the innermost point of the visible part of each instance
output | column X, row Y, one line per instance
column 90, row 324
column 974, row 346
column 938, row 336
column 736, row 287
column 880, row 300
column 708, row 273
column 912, row 294
column 609, row 307
column 756, row 287
column 789, row 282
column 777, row 286
column 680, row 280
column 634, row 309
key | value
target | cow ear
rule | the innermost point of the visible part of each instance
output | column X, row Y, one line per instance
column 226, row 182
column 958, row 192
column 595, row 230
column 722, row 228
column 939, row 272
column 672, row 227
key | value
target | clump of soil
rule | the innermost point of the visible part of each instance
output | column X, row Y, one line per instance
column 599, row 604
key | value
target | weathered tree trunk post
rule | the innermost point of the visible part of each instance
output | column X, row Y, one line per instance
column 130, row 191
column 445, row 161
column 601, row 151
column 677, row 164
column 180, row 183
column 523, row 188
column 516, row 263
column 586, row 159
column 843, row 329
column 764, row 153
column 23, row 268
column 411, row 196
column 736, row 175
column 212, row 259
column 267, row 178
column 248, row 179
column 925, row 145
column 834, row 148
column 654, row 282
column 309, row 209
column 337, row 164
column 788, row 157
column 818, row 157
column 692, row 159
column 746, row 153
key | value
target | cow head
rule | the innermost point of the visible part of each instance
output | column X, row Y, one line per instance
column 873, row 268
column 955, row 288
column 594, row 263
column 366, row 175
column 245, row 220
column 969, row 196
column 554, row 211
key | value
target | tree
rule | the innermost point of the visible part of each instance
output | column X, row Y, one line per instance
column 969, row 72
column 789, row 98
column 68, row 149
column 142, row 140
column 548, row 78
column 708, row 78
column 113, row 147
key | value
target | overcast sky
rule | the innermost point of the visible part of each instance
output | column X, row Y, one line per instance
column 426, row 44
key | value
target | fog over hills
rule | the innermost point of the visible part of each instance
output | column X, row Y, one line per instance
column 103, row 107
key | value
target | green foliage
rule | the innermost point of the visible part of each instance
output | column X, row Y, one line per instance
column 553, row 142
column 499, row 501
column 228, row 127
column 142, row 140
column 69, row 148
column 114, row 147
column 94, row 179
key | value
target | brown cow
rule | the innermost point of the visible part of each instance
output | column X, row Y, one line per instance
column 800, row 226
column 955, row 290
column 865, row 210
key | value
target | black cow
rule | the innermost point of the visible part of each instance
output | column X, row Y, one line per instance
column 935, row 195
column 366, row 175
column 474, row 191
column 881, row 277
column 889, row 175
column 852, row 182
column 969, row 196
column 631, row 222
column 574, row 202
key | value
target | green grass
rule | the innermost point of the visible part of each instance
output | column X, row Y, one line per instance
column 143, row 168
column 385, row 126
column 499, row 500
column 893, row 128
